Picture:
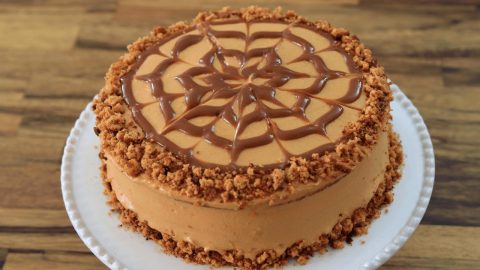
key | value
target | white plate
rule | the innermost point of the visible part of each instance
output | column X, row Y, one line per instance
column 122, row 249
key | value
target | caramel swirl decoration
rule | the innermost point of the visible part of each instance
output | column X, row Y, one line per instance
column 231, row 93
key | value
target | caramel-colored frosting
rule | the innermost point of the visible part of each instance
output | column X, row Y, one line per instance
column 261, row 225
column 232, row 93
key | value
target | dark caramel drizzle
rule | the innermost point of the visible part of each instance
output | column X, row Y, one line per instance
column 240, row 95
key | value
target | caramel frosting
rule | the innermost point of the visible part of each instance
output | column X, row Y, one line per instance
column 230, row 93
column 267, row 226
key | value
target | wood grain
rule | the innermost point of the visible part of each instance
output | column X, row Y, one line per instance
column 52, row 261
column 55, row 53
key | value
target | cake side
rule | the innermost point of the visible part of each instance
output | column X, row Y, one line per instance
column 313, row 208
column 343, row 231
column 125, row 141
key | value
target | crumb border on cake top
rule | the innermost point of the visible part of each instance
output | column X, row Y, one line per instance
column 124, row 141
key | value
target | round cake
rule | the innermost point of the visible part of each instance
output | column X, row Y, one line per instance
column 247, row 137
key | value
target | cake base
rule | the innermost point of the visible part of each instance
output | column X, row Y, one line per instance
column 342, row 232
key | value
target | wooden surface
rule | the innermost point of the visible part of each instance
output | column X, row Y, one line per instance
column 54, row 54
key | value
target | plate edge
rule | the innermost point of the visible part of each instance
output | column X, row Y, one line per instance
column 66, row 185
column 425, row 193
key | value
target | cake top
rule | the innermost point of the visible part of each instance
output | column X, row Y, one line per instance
column 242, row 104
column 230, row 93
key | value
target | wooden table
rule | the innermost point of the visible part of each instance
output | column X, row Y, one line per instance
column 54, row 54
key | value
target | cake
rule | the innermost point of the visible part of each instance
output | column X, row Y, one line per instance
column 247, row 137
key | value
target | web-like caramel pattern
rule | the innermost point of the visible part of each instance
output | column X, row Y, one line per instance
column 221, row 80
